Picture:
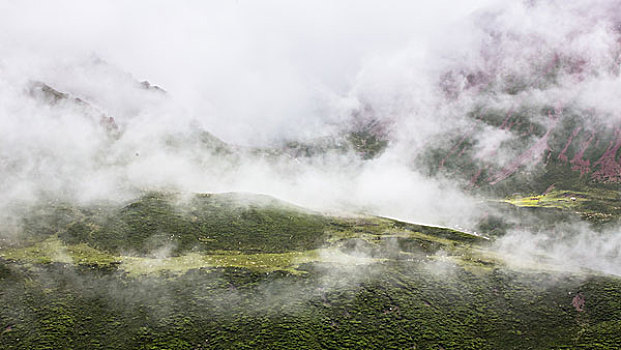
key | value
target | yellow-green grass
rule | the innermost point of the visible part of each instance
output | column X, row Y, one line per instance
column 52, row 250
column 554, row 199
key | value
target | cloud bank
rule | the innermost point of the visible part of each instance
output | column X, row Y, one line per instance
column 262, row 74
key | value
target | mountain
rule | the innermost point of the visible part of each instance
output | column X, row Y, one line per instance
column 164, row 268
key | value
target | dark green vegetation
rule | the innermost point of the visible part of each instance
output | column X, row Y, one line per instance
column 398, row 305
column 203, row 223
column 243, row 271
column 368, row 140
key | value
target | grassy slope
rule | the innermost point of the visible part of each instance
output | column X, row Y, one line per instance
column 206, row 222
column 596, row 205
column 257, row 273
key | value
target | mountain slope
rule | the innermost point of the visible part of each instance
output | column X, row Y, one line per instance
column 169, row 281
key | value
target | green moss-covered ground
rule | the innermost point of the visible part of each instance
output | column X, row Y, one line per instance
column 248, row 272
column 204, row 222
column 424, row 305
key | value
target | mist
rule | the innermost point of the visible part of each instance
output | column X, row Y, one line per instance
column 249, row 74
column 260, row 75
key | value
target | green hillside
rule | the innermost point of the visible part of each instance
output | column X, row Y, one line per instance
column 236, row 271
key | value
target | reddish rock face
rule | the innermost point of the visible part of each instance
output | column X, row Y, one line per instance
column 608, row 167
column 573, row 139
column 589, row 152
column 578, row 302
